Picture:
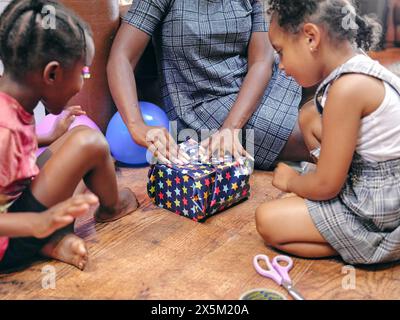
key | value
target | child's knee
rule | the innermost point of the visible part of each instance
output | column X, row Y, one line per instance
column 266, row 220
column 303, row 120
column 91, row 141
column 311, row 126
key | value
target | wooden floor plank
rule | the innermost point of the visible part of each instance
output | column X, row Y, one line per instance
column 155, row 254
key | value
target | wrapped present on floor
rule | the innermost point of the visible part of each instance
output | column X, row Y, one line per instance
column 200, row 189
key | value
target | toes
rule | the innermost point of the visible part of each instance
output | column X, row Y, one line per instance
column 81, row 255
column 82, row 261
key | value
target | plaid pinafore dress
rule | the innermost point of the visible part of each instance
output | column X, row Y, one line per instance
column 202, row 55
column 363, row 222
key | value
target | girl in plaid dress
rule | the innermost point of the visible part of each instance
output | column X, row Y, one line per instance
column 218, row 74
column 350, row 205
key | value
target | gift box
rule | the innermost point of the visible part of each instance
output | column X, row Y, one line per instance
column 200, row 189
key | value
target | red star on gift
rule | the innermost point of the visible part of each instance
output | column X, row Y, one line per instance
column 244, row 192
column 207, row 182
column 217, row 191
column 228, row 176
column 213, row 203
column 177, row 180
column 185, row 202
column 161, row 195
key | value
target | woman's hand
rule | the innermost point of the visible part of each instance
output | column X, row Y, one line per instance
column 160, row 143
column 282, row 175
column 224, row 142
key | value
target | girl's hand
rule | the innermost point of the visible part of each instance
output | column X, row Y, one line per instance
column 282, row 175
column 62, row 214
column 64, row 121
column 160, row 143
column 224, row 141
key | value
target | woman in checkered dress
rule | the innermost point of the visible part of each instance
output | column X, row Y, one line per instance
column 350, row 205
column 218, row 71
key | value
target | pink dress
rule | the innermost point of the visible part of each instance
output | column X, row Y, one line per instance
column 18, row 145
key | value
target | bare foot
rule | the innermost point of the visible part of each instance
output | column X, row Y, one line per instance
column 68, row 248
column 127, row 204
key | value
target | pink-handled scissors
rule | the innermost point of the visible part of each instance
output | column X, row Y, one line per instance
column 278, row 272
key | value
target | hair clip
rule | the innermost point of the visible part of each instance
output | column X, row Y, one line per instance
column 86, row 72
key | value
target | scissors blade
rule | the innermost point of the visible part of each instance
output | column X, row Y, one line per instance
column 292, row 290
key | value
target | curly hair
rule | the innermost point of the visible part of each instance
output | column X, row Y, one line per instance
column 26, row 45
column 340, row 17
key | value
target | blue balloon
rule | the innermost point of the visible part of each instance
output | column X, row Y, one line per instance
column 122, row 146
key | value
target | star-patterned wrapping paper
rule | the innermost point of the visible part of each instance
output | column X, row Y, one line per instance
column 199, row 190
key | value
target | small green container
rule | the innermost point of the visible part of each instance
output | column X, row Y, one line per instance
column 262, row 294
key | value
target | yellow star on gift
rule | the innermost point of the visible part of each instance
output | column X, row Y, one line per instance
column 234, row 186
column 152, row 189
column 212, row 179
column 169, row 183
column 160, row 173
column 206, row 195
column 185, row 178
column 177, row 202
column 206, row 171
column 230, row 198
column 169, row 204
column 152, row 178
column 198, row 185
column 184, row 189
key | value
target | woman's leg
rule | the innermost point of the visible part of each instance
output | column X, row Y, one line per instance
column 81, row 153
column 287, row 225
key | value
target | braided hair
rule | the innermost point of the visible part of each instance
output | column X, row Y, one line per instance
column 28, row 44
column 340, row 17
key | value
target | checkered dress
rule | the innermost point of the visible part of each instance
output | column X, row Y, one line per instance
column 363, row 222
column 202, row 49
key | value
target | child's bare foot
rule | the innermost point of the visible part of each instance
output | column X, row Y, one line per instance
column 127, row 204
column 68, row 248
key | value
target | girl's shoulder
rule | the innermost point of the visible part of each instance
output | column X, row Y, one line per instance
column 360, row 90
column 357, row 82
column 12, row 114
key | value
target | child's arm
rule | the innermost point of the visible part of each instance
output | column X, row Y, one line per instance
column 41, row 225
column 350, row 98
column 61, row 126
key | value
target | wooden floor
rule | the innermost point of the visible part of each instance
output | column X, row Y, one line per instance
column 155, row 254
